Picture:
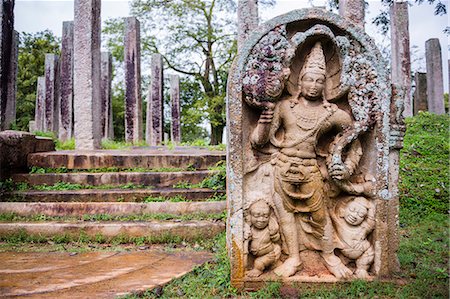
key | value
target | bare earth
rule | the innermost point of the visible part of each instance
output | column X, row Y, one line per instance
column 92, row 274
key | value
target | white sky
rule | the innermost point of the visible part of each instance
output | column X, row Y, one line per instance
column 37, row 15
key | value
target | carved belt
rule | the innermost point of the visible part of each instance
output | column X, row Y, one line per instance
column 296, row 170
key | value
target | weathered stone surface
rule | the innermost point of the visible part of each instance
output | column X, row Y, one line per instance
column 116, row 209
column 6, row 63
column 400, row 54
column 353, row 11
column 87, row 74
column 143, row 158
column 51, row 112
column 32, row 126
column 155, row 105
column 248, row 19
column 15, row 146
column 420, row 93
column 187, row 230
column 10, row 116
column 40, row 104
column 155, row 179
column 133, row 100
column 93, row 274
column 106, row 100
column 292, row 190
column 110, row 195
column 175, row 128
column 66, row 81
column 435, row 79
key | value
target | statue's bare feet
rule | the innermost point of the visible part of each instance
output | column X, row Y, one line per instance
column 336, row 267
column 254, row 273
column 361, row 274
column 289, row 267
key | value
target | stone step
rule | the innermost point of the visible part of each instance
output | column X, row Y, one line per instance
column 188, row 230
column 153, row 179
column 109, row 195
column 93, row 274
column 133, row 158
column 113, row 209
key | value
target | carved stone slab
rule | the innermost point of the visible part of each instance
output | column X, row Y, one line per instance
column 314, row 127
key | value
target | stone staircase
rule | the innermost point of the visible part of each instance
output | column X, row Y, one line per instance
column 116, row 192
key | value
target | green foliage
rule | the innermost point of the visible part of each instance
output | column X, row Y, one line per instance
column 113, row 144
column 424, row 166
column 9, row 185
column 65, row 145
column 36, row 169
column 215, row 181
column 32, row 50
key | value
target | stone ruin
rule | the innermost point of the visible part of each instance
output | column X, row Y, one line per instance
column 314, row 130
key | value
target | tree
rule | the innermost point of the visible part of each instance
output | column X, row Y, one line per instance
column 32, row 50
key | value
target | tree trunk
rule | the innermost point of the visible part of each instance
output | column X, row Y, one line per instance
column 216, row 134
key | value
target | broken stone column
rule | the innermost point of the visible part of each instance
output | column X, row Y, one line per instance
column 175, row 128
column 247, row 19
column 105, row 95
column 155, row 104
column 353, row 10
column 51, row 74
column 420, row 93
column 7, row 46
column 435, row 78
column 400, row 54
column 40, row 104
column 87, row 74
column 133, row 100
column 66, row 80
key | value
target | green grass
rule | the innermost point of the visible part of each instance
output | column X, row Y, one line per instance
column 8, row 217
column 424, row 233
column 9, row 185
column 35, row 169
column 215, row 181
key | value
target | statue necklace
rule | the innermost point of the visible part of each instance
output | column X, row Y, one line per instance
column 307, row 118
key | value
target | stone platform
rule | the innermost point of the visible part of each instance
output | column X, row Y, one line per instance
column 91, row 275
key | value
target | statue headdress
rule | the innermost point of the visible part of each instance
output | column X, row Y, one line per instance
column 314, row 62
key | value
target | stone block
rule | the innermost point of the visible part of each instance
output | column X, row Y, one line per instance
column 155, row 104
column 51, row 112
column 435, row 78
column 175, row 128
column 304, row 87
column 40, row 104
column 66, row 83
column 86, row 83
column 420, row 93
column 106, row 100
column 133, row 100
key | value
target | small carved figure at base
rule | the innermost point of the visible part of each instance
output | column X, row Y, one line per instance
column 354, row 220
column 263, row 236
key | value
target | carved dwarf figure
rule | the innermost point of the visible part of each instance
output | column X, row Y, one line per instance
column 262, row 237
column 294, row 125
column 354, row 221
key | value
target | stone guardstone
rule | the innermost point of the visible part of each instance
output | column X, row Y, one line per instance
column 312, row 125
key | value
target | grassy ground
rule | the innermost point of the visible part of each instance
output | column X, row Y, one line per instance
column 424, row 231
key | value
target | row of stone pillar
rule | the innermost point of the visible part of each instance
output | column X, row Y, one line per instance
column 74, row 96
column 9, row 45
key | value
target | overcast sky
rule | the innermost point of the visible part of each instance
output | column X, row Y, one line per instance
column 37, row 15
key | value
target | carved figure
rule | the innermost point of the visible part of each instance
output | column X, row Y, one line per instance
column 354, row 221
column 262, row 237
column 294, row 125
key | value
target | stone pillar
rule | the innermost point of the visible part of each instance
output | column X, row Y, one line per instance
column 353, row 10
column 6, row 41
column 87, row 74
column 435, row 81
column 66, row 80
column 51, row 74
column 175, row 128
column 401, row 57
column 10, row 116
column 155, row 104
column 247, row 19
column 420, row 93
column 40, row 104
column 105, row 95
column 133, row 100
